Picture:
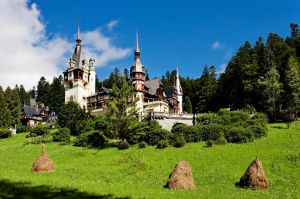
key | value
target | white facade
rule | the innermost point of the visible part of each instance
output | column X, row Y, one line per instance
column 179, row 92
column 80, row 77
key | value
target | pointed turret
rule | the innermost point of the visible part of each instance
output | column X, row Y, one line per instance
column 78, row 40
column 179, row 92
column 137, row 70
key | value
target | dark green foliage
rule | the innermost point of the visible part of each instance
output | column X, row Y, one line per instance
column 38, row 139
column 221, row 140
column 5, row 133
column 239, row 135
column 142, row 145
column 209, row 143
column 38, row 130
column 71, row 116
column 93, row 139
column 43, row 90
column 154, row 136
column 62, row 135
column 187, row 105
column 123, row 145
column 179, row 141
column 162, row 144
column 56, row 94
column 211, row 132
column 5, row 117
column 13, row 105
column 23, row 129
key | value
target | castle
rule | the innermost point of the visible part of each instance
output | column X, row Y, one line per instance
column 79, row 82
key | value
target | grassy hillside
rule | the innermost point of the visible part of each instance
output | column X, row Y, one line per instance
column 142, row 173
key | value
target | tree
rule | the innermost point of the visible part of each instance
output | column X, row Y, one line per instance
column 32, row 93
column 121, row 110
column 187, row 105
column 70, row 116
column 207, row 89
column 24, row 96
column 292, row 86
column 13, row 105
column 5, row 118
column 270, row 89
column 43, row 90
column 57, row 94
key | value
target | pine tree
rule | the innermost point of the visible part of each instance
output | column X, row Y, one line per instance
column 5, row 117
column 121, row 109
column 57, row 94
column 14, row 105
column 43, row 90
column 270, row 89
column 187, row 105
column 24, row 96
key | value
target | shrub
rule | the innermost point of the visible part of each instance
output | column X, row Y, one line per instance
column 221, row 140
column 142, row 145
column 5, row 133
column 239, row 135
column 259, row 130
column 154, row 136
column 23, row 129
column 179, row 141
column 39, row 130
column 206, row 118
column 211, row 132
column 94, row 139
column 62, row 135
column 123, row 145
column 209, row 143
column 38, row 139
column 162, row 144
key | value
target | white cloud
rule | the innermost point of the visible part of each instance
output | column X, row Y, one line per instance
column 216, row 45
column 101, row 48
column 113, row 23
column 27, row 53
column 221, row 68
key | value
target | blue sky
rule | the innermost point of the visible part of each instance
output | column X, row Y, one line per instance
column 187, row 33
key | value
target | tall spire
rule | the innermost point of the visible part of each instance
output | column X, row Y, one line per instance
column 78, row 40
column 137, row 49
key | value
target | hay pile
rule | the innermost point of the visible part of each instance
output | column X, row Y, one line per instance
column 43, row 163
column 254, row 177
column 181, row 177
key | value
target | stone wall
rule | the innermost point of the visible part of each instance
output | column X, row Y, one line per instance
column 167, row 121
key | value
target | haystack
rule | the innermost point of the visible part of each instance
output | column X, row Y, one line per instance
column 43, row 163
column 181, row 177
column 254, row 177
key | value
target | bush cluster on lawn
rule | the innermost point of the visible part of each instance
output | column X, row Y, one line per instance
column 123, row 145
column 39, row 130
column 63, row 135
column 224, row 126
column 38, row 139
column 5, row 133
column 23, row 129
column 93, row 139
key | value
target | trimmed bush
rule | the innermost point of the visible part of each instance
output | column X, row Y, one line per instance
column 23, row 129
column 221, row 140
column 5, row 133
column 259, row 130
column 162, row 144
column 154, row 136
column 123, row 145
column 93, row 139
column 142, row 145
column 39, row 130
column 38, row 139
column 179, row 141
column 211, row 132
column 62, row 135
column 239, row 135
column 209, row 143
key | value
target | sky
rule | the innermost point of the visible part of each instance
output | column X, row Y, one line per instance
column 38, row 37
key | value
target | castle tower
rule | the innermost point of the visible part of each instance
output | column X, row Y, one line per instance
column 79, row 78
column 92, row 77
column 179, row 92
column 137, row 70
column 137, row 74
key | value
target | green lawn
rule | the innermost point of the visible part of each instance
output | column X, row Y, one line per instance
column 142, row 173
